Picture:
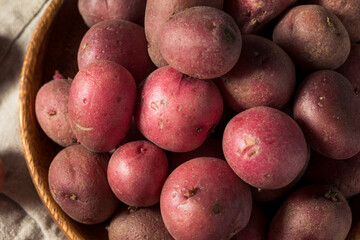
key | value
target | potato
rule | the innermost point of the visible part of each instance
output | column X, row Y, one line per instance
column 256, row 229
column 143, row 223
column 136, row 173
column 159, row 11
column 177, row 112
column 314, row 38
column 77, row 182
column 328, row 111
column 348, row 11
column 51, row 110
column 202, row 42
column 119, row 41
column 252, row 16
column 263, row 76
column 312, row 212
column 94, row 11
column 101, row 103
column 265, row 147
column 350, row 69
column 344, row 175
column 210, row 148
column 204, row 199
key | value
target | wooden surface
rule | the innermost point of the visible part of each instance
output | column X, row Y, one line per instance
column 53, row 47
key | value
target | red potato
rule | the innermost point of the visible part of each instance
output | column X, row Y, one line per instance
column 94, row 11
column 101, row 103
column 312, row 212
column 78, row 184
column 203, row 199
column 253, row 15
column 177, row 112
column 159, row 11
column 136, row 173
column 265, row 147
column 256, row 228
column 51, row 110
column 119, row 41
column 143, row 223
column 314, row 38
column 328, row 111
column 263, row 76
column 350, row 69
column 202, row 42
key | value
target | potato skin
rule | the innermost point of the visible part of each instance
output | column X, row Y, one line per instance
column 328, row 111
column 143, row 223
column 119, row 41
column 159, row 11
column 348, row 11
column 265, row 147
column 350, row 69
column 312, row 212
column 263, row 76
column 101, row 104
column 314, row 38
column 51, row 109
column 176, row 112
column 252, row 16
column 77, row 182
column 202, row 42
column 94, row 11
column 203, row 199
column 136, row 173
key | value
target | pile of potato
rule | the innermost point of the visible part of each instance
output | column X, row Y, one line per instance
column 216, row 119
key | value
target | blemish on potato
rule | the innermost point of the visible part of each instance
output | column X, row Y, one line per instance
column 254, row 22
column 73, row 197
column 229, row 35
column 84, row 46
column 332, row 195
column 154, row 106
column 191, row 192
column 85, row 101
column 163, row 102
column 216, row 208
column 52, row 113
column 198, row 130
column 179, row 108
column 161, row 125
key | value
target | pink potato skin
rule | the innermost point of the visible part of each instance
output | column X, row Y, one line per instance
column 312, row 212
column 202, row 42
column 136, row 173
column 256, row 228
column 328, row 111
column 203, row 199
column 176, row 112
column 252, row 16
column 350, row 69
column 51, row 109
column 102, row 100
column 159, row 11
column 263, row 76
column 314, row 38
column 265, row 147
column 94, row 11
column 119, row 41
column 344, row 174
column 77, row 182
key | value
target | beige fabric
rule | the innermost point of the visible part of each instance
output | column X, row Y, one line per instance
column 22, row 215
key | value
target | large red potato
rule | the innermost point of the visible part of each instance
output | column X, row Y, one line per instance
column 313, row 36
column 101, row 103
column 312, row 212
column 94, row 11
column 78, row 183
column 136, row 173
column 265, row 147
column 202, row 42
column 51, row 110
column 203, row 199
column 177, row 112
column 328, row 110
column 159, row 11
column 119, row 41
column 253, row 15
column 263, row 76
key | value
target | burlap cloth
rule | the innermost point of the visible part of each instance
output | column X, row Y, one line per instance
column 22, row 215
